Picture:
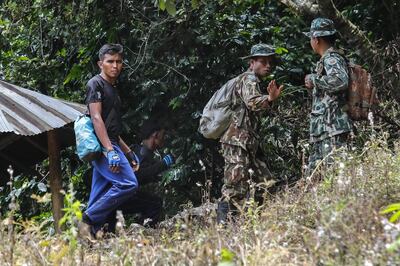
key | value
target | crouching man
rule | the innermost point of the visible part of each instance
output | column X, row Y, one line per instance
column 151, row 165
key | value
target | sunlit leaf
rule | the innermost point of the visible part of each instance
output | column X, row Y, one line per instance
column 195, row 3
column 170, row 7
column 22, row 58
column 227, row 255
column 161, row 4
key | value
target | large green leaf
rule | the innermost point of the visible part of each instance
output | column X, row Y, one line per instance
column 170, row 7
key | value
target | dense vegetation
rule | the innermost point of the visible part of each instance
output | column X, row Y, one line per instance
column 177, row 53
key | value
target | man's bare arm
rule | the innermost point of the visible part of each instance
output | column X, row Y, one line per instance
column 99, row 126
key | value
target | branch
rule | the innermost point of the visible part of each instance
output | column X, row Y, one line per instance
column 296, row 7
column 350, row 30
column 328, row 9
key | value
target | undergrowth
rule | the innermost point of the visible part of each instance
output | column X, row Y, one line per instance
column 336, row 217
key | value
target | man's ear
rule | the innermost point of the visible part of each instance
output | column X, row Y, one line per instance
column 100, row 64
column 251, row 62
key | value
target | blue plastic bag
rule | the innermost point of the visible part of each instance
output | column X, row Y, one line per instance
column 88, row 146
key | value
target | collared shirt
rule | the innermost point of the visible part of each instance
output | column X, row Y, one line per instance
column 250, row 102
column 328, row 112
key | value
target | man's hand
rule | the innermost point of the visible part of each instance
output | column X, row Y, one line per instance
column 307, row 82
column 113, row 161
column 133, row 159
column 273, row 90
column 169, row 160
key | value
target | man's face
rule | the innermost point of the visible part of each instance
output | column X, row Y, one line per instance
column 111, row 65
column 159, row 139
column 262, row 66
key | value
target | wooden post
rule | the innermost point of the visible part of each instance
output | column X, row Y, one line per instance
column 57, row 198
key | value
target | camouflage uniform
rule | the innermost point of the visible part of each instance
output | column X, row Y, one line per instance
column 241, row 141
column 330, row 124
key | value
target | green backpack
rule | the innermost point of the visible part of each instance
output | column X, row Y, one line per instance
column 217, row 114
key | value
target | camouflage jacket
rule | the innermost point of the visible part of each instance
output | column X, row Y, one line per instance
column 246, row 118
column 328, row 112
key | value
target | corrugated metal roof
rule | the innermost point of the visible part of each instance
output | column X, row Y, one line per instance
column 25, row 112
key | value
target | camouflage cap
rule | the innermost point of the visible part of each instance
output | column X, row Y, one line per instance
column 260, row 49
column 321, row 27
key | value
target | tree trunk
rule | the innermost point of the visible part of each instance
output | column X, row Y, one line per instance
column 57, row 198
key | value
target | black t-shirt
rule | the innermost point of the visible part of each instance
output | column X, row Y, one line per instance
column 100, row 90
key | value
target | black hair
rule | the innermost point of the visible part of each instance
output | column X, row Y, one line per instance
column 149, row 127
column 110, row 48
column 331, row 39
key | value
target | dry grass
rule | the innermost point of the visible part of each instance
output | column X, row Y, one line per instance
column 335, row 221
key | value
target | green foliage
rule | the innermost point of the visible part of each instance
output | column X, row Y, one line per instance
column 24, row 190
column 177, row 53
column 227, row 258
column 395, row 209
column 72, row 210
column 174, row 61
column 72, row 215
column 170, row 5
column 334, row 222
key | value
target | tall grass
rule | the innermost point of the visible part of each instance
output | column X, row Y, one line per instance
column 332, row 219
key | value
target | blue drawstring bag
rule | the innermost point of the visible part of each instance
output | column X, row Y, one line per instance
column 88, row 146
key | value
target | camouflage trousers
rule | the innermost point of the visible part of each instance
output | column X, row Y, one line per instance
column 241, row 169
column 323, row 150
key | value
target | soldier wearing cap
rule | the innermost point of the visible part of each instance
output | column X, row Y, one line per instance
column 330, row 124
column 241, row 141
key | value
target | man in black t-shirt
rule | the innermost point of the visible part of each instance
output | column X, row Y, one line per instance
column 152, row 164
column 113, row 180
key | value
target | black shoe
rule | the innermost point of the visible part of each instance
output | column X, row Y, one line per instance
column 222, row 212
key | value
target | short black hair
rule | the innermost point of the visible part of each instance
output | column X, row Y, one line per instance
column 149, row 127
column 331, row 39
column 110, row 48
